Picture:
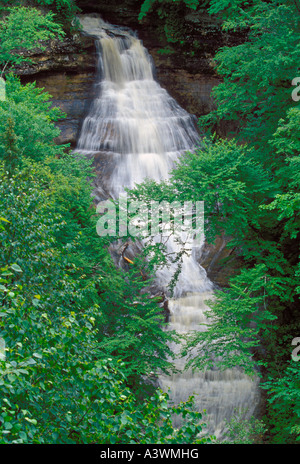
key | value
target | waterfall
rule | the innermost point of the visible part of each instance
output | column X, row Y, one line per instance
column 133, row 125
column 136, row 130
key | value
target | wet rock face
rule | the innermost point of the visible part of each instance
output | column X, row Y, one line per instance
column 191, row 91
column 66, row 70
column 219, row 261
column 68, row 55
column 73, row 93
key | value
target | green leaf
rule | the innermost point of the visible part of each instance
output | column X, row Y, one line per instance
column 16, row 268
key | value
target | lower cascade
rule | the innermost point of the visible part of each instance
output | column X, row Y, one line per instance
column 135, row 130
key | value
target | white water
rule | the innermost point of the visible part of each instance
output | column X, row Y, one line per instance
column 139, row 131
column 133, row 120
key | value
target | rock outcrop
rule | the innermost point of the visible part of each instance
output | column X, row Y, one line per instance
column 67, row 71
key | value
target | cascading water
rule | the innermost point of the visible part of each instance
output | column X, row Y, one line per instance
column 133, row 123
column 135, row 130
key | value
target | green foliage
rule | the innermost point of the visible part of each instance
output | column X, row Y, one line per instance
column 53, row 388
column 27, row 127
column 168, row 17
column 147, row 6
column 65, row 13
column 284, row 404
column 255, row 92
column 9, row 146
column 54, row 308
column 133, row 331
column 235, row 14
column 241, row 432
column 22, row 29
